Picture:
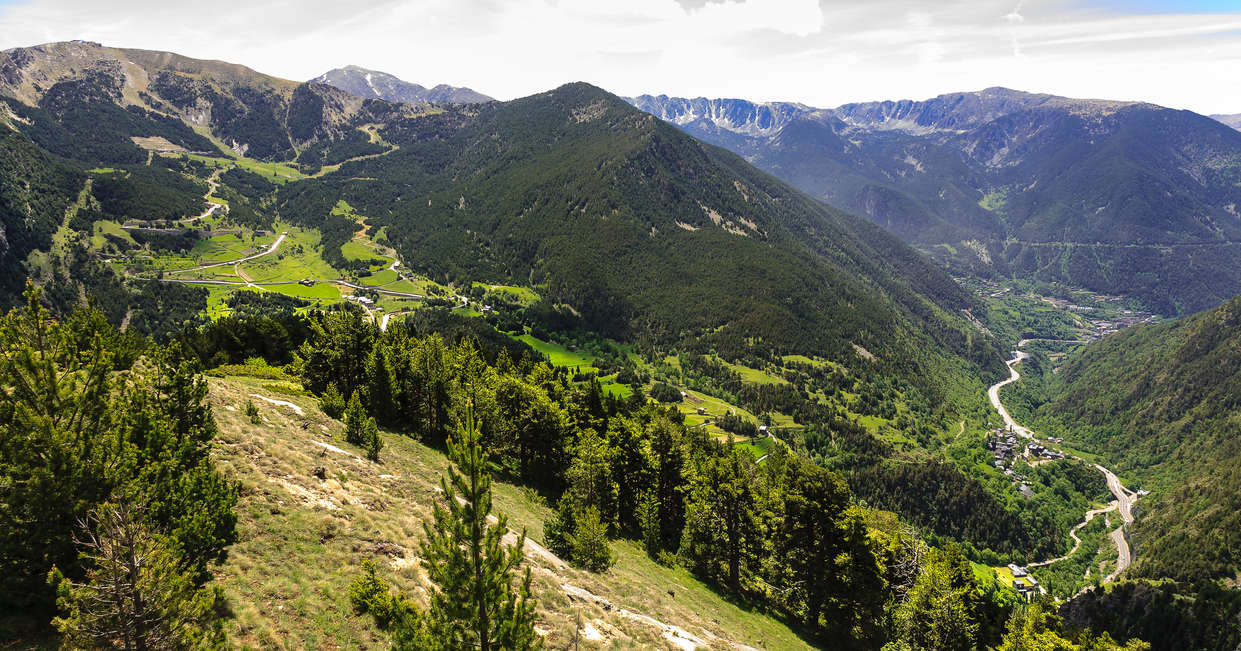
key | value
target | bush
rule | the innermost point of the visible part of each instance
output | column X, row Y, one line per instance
column 332, row 403
column 370, row 594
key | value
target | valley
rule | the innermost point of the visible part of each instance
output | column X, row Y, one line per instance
column 1124, row 498
column 744, row 375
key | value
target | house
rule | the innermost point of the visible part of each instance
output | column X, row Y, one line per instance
column 1024, row 489
column 307, row 282
column 1017, row 570
column 702, row 411
column 762, row 430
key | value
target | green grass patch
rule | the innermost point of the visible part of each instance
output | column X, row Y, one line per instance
column 557, row 354
column 379, row 278
column 753, row 375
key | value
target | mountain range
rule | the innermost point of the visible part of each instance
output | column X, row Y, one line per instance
column 630, row 225
column 381, row 85
column 1118, row 197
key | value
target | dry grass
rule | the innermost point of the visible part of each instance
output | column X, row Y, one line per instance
column 302, row 540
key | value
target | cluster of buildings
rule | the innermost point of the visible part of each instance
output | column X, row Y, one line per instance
column 1036, row 450
column 1024, row 582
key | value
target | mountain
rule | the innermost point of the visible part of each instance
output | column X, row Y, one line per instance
column 381, row 85
column 641, row 230
column 1119, row 197
column 633, row 228
column 1233, row 120
column 87, row 102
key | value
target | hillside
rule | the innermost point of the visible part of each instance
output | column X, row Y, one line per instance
column 1232, row 120
column 301, row 540
column 1119, row 197
column 637, row 230
column 381, row 85
column 634, row 229
column 1162, row 403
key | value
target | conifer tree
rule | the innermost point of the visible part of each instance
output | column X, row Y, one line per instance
column 373, row 443
column 135, row 594
column 355, row 421
column 475, row 604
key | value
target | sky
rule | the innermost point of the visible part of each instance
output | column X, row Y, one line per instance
column 1178, row 53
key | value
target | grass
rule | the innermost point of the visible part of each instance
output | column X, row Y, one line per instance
column 275, row 172
column 379, row 278
column 301, row 540
column 715, row 408
column 557, row 354
column 753, row 375
column 759, row 447
column 524, row 295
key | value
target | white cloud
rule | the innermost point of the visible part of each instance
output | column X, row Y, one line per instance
column 822, row 52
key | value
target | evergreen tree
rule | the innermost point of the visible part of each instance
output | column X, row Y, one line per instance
column 590, row 541
column 355, row 421
column 475, row 604
column 381, row 384
column 332, row 403
column 136, row 595
column 591, row 484
column 373, row 443
column 668, row 462
column 721, row 524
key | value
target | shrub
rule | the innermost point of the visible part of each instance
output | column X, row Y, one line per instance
column 332, row 403
column 373, row 443
column 252, row 412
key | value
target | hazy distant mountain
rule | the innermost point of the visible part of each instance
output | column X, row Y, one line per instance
column 1120, row 197
column 1233, row 120
column 381, row 85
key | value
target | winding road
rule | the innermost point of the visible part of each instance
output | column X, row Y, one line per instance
column 268, row 251
column 1124, row 497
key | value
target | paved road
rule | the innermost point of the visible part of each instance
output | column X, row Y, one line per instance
column 1077, row 542
column 268, row 251
column 1124, row 497
column 994, row 394
column 212, row 184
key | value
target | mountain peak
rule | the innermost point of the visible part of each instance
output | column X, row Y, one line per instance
column 367, row 83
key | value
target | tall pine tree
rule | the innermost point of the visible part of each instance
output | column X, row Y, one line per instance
column 475, row 604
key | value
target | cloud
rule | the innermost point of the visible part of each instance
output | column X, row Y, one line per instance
column 691, row 5
column 820, row 52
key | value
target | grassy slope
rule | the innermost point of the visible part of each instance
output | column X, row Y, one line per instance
column 301, row 541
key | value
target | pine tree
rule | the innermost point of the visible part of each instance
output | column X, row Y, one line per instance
column 332, row 403
column 475, row 604
column 136, row 595
column 355, row 421
column 373, row 443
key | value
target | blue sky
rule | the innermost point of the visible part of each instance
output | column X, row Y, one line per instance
column 1184, row 54
column 1172, row 6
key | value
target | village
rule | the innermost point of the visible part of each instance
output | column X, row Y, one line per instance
column 1006, row 449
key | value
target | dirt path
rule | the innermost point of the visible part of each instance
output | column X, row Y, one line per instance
column 213, row 183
